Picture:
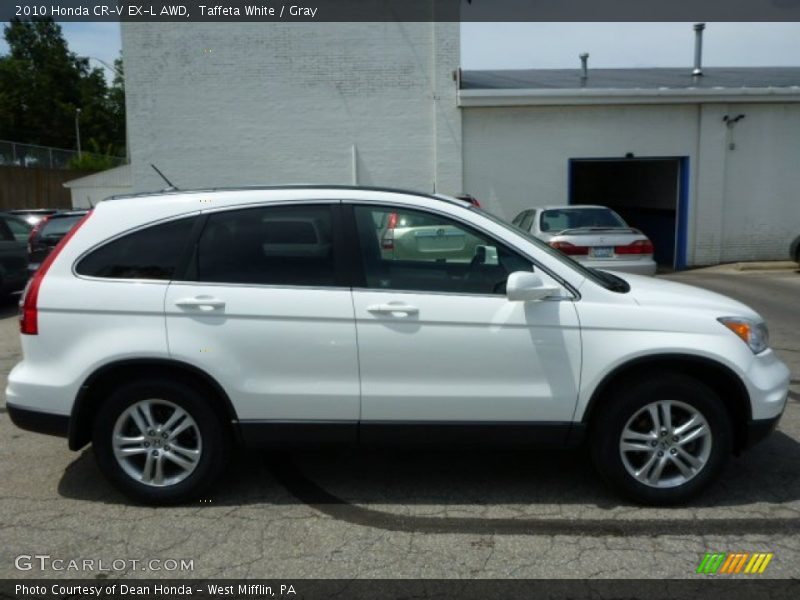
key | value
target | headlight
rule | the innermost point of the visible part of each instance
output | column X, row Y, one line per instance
column 753, row 333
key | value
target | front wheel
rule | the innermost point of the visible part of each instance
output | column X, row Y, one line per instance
column 662, row 440
column 159, row 441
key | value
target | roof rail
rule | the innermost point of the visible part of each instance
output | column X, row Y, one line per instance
column 292, row 186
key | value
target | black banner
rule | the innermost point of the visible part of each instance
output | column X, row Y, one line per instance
column 402, row 10
column 708, row 587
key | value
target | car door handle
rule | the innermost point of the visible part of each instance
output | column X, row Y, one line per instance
column 206, row 303
column 392, row 308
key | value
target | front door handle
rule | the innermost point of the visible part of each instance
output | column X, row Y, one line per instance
column 205, row 303
column 394, row 309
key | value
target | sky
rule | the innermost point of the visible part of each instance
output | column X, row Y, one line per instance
column 557, row 45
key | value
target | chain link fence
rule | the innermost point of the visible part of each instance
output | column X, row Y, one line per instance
column 31, row 155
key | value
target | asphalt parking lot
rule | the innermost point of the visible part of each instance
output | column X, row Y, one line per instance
column 413, row 514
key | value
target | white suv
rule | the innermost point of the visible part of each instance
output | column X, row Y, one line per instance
column 166, row 327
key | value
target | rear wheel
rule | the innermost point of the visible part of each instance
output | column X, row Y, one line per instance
column 662, row 440
column 160, row 442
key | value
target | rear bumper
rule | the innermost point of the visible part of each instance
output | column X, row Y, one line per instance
column 39, row 422
column 637, row 267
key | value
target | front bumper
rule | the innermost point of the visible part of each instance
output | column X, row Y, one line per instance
column 758, row 430
column 39, row 422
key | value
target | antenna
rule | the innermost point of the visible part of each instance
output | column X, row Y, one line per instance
column 170, row 187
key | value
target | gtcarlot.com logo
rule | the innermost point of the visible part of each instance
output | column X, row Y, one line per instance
column 735, row 562
column 45, row 562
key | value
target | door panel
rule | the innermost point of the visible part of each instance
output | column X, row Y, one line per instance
column 466, row 358
column 281, row 354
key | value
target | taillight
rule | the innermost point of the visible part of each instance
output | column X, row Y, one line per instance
column 35, row 231
column 29, row 311
column 387, row 239
column 637, row 247
column 570, row 249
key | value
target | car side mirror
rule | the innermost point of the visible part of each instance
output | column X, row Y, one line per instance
column 524, row 285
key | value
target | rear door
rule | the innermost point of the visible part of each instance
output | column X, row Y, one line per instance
column 265, row 309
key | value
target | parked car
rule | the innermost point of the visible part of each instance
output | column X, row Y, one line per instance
column 47, row 233
column 13, row 255
column 419, row 237
column 469, row 198
column 593, row 235
column 162, row 329
column 33, row 215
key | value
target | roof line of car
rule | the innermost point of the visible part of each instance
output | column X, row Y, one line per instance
column 288, row 187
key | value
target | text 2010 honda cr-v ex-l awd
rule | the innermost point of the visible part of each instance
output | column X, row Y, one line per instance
column 166, row 327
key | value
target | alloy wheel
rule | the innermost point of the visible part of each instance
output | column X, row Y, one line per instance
column 665, row 444
column 156, row 442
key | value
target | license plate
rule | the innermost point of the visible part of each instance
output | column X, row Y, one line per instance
column 601, row 252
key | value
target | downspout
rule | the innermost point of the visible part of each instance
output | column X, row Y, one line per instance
column 434, row 99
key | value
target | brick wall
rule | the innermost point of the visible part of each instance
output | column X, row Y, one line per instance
column 245, row 104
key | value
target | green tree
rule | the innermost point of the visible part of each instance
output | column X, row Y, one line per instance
column 42, row 84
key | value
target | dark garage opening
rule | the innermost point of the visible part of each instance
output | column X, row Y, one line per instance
column 646, row 192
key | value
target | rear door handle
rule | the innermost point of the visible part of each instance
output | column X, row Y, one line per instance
column 205, row 303
column 393, row 308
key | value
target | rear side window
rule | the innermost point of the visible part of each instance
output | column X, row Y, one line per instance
column 150, row 253
column 268, row 246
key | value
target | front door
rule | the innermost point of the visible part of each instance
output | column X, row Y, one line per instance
column 439, row 342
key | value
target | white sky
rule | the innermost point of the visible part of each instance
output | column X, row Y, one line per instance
column 557, row 45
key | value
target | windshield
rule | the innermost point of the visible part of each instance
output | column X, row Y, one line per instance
column 601, row 278
column 559, row 219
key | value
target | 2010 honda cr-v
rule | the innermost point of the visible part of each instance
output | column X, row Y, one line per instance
column 166, row 327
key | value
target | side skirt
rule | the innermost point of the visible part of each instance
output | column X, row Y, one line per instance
column 409, row 433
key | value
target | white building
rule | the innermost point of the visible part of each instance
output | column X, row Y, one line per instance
column 708, row 166
column 87, row 191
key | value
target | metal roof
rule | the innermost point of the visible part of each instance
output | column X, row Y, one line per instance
column 661, row 78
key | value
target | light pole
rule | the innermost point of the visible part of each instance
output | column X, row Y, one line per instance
column 78, row 129
column 104, row 63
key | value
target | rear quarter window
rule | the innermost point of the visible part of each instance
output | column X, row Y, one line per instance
column 150, row 253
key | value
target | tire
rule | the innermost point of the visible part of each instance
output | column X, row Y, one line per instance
column 629, row 409
column 193, row 449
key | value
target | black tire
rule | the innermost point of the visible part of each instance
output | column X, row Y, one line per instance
column 215, row 436
column 625, row 401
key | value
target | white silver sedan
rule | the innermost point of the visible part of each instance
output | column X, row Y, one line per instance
column 594, row 235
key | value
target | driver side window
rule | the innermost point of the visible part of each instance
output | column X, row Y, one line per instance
column 411, row 250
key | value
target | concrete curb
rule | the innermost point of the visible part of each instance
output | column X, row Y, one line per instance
column 776, row 265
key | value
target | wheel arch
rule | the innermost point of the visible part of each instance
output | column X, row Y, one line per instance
column 719, row 377
column 104, row 378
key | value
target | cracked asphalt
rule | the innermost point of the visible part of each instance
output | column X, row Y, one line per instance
column 466, row 514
